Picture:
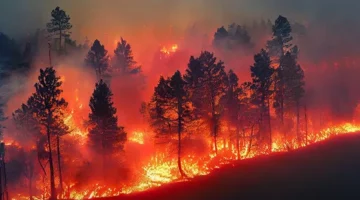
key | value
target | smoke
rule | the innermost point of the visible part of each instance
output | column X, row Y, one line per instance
column 328, row 50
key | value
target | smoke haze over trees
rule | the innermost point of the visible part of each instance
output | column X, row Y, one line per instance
column 228, row 75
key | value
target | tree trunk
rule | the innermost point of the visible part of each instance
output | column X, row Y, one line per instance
column 179, row 136
column 238, row 142
column 59, row 164
column 103, row 156
column 306, row 126
column 215, row 130
column 269, row 123
column 6, row 194
column 179, row 151
column 51, row 165
column 250, row 141
column 298, row 123
column 1, row 183
column 31, row 173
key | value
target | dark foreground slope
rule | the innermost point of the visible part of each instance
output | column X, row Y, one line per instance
column 327, row 170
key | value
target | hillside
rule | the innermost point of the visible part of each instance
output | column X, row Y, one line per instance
column 330, row 169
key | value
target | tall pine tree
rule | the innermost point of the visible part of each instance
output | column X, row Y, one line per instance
column 48, row 108
column 105, row 136
column 29, row 129
column 261, row 73
column 170, row 110
column 231, row 103
column 59, row 25
column 281, row 39
column 293, row 88
column 124, row 60
column 207, row 80
column 98, row 59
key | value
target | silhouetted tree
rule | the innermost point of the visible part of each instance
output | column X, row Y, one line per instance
column 59, row 24
column 124, row 61
column 29, row 131
column 206, row 80
column 278, row 47
column 261, row 73
column 105, row 136
column 48, row 108
column 233, row 37
column 293, row 87
column 158, row 108
column 170, row 109
column 232, row 106
column 281, row 40
column 98, row 59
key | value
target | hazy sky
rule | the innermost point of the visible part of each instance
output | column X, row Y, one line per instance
column 18, row 16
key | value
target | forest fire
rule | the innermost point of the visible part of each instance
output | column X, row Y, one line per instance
column 173, row 48
column 78, row 132
column 161, row 169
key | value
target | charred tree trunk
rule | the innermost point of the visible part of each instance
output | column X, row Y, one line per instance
column 103, row 156
column 298, row 123
column 59, row 164
column 179, row 137
column 250, row 141
column 269, row 123
column 31, row 173
column 238, row 142
column 306, row 126
column 1, row 184
column 51, row 165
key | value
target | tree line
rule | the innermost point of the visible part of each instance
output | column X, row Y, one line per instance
column 209, row 94
column 205, row 94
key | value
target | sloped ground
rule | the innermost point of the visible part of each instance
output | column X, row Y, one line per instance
column 327, row 170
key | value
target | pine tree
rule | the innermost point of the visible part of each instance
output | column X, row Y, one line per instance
column 48, row 108
column 278, row 47
column 232, row 38
column 158, row 108
column 29, row 130
column 124, row 60
column 281, row 40
column 231, row 106
column 59, row 24
column 261, row 73
column 98, row 59
column 170, row 110
column 293, row 87
column 105, row 136
column 207, row 80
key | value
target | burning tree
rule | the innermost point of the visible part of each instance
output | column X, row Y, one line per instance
column 59, row 24
column 105, row 136
column 98, row 59
column 283, row 51
column 293, row 77
column 206, row 80
column 29, row 129
column 124, row 60
column 48, row 109
column 170, row 110
column 261, row 73
column 231, row 106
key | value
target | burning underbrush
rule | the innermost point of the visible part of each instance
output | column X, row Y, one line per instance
column 145, row 166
